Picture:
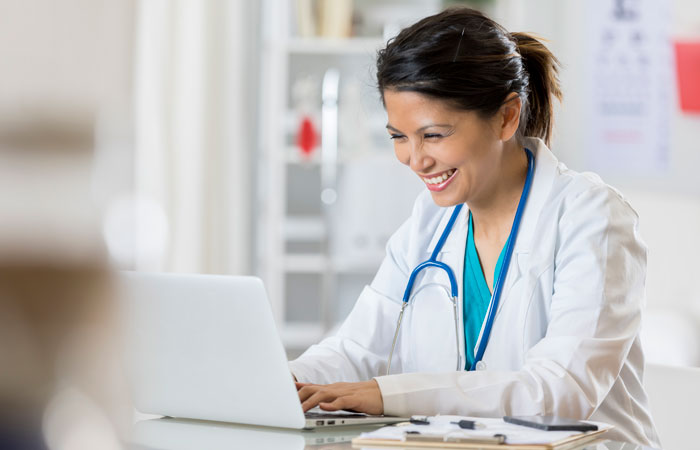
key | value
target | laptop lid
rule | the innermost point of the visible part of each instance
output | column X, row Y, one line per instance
column 206, row 347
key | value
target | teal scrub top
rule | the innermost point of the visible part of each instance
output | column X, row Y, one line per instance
column 477, row 294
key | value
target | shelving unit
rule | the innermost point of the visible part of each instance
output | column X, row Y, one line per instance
column 315, row 257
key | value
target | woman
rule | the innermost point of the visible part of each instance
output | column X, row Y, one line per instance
column 470, row 112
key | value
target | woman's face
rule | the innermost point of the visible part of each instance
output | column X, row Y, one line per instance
column 454, row 152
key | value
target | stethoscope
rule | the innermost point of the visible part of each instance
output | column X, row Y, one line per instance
column 500, row 281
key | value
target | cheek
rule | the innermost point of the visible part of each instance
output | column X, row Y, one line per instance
column 402, row 154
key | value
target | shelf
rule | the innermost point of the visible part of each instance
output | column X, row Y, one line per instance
column 327, row 46
column 318, row 263
column 293, row 156
column 305, row 263
column 300, row 335
column 304, row 228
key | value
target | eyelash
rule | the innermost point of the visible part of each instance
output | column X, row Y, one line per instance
column 425, row 136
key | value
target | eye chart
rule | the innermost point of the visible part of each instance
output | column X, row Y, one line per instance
column 631, row 85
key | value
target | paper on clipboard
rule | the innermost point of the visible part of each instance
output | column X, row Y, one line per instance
column 441, row 426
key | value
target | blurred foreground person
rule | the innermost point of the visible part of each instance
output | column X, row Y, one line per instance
column 60, row 384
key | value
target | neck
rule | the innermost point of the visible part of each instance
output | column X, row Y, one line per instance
column 494, row 210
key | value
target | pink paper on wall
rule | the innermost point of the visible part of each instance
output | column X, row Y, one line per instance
column 688, row 70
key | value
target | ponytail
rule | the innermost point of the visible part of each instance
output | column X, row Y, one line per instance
column 542, row 67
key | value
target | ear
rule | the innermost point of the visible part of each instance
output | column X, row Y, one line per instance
column 510, row 116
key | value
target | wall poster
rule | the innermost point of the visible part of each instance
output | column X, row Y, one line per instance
column 631, row 85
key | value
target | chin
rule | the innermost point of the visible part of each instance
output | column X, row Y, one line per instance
column 445, row 201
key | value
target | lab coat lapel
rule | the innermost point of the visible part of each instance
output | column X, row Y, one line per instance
column 452, row 239
column 545, row 169
column 456, row 240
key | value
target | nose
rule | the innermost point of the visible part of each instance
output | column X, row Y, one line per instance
column 419, row 161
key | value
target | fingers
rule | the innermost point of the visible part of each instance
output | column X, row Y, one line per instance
column 347, row 403
column 361, row 397
column 301, row 385
column 321, row 395
column 307, row 391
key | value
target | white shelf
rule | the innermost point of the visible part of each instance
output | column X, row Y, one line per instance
column 304, row 228
column 305, row 263
column 366, row 266
column 328, row 46
column 293, row 155
column 300, row 335
column 318, row 263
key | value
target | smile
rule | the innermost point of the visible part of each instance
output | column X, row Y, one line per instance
column 440, row 181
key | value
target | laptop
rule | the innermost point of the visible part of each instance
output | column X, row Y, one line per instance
column 206, row 347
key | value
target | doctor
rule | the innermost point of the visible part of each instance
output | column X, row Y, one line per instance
column 546, row 264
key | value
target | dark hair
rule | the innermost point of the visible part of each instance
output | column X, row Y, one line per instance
column 464, row 57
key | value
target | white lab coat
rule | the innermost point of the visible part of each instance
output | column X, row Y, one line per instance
column 565, row 340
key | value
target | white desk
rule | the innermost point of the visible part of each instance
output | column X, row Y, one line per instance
column 181, row 434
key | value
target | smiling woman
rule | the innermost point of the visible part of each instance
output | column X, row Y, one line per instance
column 544, row 265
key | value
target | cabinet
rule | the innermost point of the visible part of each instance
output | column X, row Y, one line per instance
column 323, row 220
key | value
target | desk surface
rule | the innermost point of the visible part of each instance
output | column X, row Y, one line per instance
column 181, row 434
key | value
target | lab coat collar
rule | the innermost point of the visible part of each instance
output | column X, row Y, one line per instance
column 545, row 168
column 456, row 240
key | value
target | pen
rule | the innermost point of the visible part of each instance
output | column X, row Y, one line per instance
column 417, row 420
column 468, row 424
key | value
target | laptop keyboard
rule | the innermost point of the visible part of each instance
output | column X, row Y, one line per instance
column 315, row 415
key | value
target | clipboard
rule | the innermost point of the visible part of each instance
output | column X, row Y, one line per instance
column 564, row 444
column 438, row 436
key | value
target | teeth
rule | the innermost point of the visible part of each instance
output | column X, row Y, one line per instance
column 440, row 178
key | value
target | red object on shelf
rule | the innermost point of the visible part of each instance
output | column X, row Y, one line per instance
column 307, row 137
column 688, row 70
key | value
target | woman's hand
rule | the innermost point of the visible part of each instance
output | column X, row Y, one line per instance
column 364, row 396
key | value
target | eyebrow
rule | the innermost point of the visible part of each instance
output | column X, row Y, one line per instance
column 440, row 125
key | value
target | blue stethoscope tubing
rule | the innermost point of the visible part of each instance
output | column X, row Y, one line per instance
column 454, row 291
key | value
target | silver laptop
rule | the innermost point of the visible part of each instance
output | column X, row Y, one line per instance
column 206, row 347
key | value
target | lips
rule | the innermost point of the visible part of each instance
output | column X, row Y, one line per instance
column 440, row 181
